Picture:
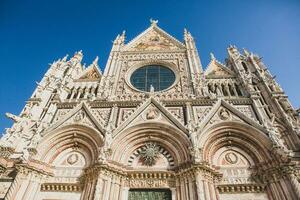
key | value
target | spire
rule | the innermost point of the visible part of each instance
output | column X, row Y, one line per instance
column 233, row 51
column 187, row 35
column 212, row 56
column 122, row 37
column 193, row 56
column 117, row 39
column 185, row 32
column 65, row 58
column 246, row 52
column 77, row 56
column 95, row 62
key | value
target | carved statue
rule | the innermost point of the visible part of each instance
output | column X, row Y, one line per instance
column 22, row 127
column 151, row 114
column 205, row 91
column 274, row 133
column 102, row 155
column 193, row 129
column 15, row 118
column 286, row 106
column 196, row 154
column 151, row 89
column 249, row 81
column 153, row 22
column 108, row 134
column 219, row 91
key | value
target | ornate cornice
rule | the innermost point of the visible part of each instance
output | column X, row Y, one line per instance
column 241, row 188
column 5, row 151
column 61, row 187
column 25, row 169
column 272, row 172
column 105, row 104
column 67, row 105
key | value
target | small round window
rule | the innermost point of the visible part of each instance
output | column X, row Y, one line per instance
column 152, row 77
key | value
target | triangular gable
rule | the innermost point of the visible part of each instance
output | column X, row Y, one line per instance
column 223, row 111
column 91, row 73
column 154, row 39
column 151, row 111
column 79, row 115
column 217, row 69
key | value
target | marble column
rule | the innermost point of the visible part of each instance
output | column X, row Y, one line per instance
column 200, row 187
column 296, row 185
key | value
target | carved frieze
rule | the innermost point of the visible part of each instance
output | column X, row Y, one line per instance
column 177, row 113
column 124, row 113
column 61, row 187
column 247, row 110
column 244, row 188
column 150, row 183
column 80, row 117
column 4, row 186
column 200, row 112
column 150, row 180
column 102, row 115
column 60, row 113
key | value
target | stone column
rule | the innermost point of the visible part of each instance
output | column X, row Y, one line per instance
column 24, row 186
column 125, row 192
column 33, row 187
column 206, row 190
column 296, row 185
column 285, row 189
column 274, row 192
column 173, row 192
column 12, row 191
column 213, row 191
column 98, row 189
column 191, row 188
column 189, row 112
column 177, row 184
column 106, row 194
column 186, row 187
column 200, row 187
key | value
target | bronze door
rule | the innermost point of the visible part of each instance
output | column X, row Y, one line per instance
column 149, row 194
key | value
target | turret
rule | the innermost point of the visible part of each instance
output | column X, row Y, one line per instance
column 193, row 57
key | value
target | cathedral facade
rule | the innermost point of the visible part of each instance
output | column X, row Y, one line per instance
column 154, row 125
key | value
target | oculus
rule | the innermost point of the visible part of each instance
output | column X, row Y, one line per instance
column 152, row 78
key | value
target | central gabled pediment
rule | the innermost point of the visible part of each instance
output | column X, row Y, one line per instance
column 154, row 39
column 151, row 111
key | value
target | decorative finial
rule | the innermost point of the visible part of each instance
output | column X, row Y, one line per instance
column 77, row 56
column 95, row 62
column 246, row 52
column 65, row 58
column 153, row 22
column 212, row 56
column 123, row 33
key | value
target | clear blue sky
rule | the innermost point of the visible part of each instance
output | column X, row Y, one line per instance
column 34, row 33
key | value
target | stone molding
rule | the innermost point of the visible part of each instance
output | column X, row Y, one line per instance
column 61, row 187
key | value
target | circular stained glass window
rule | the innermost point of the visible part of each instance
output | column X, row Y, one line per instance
column 152, row 77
